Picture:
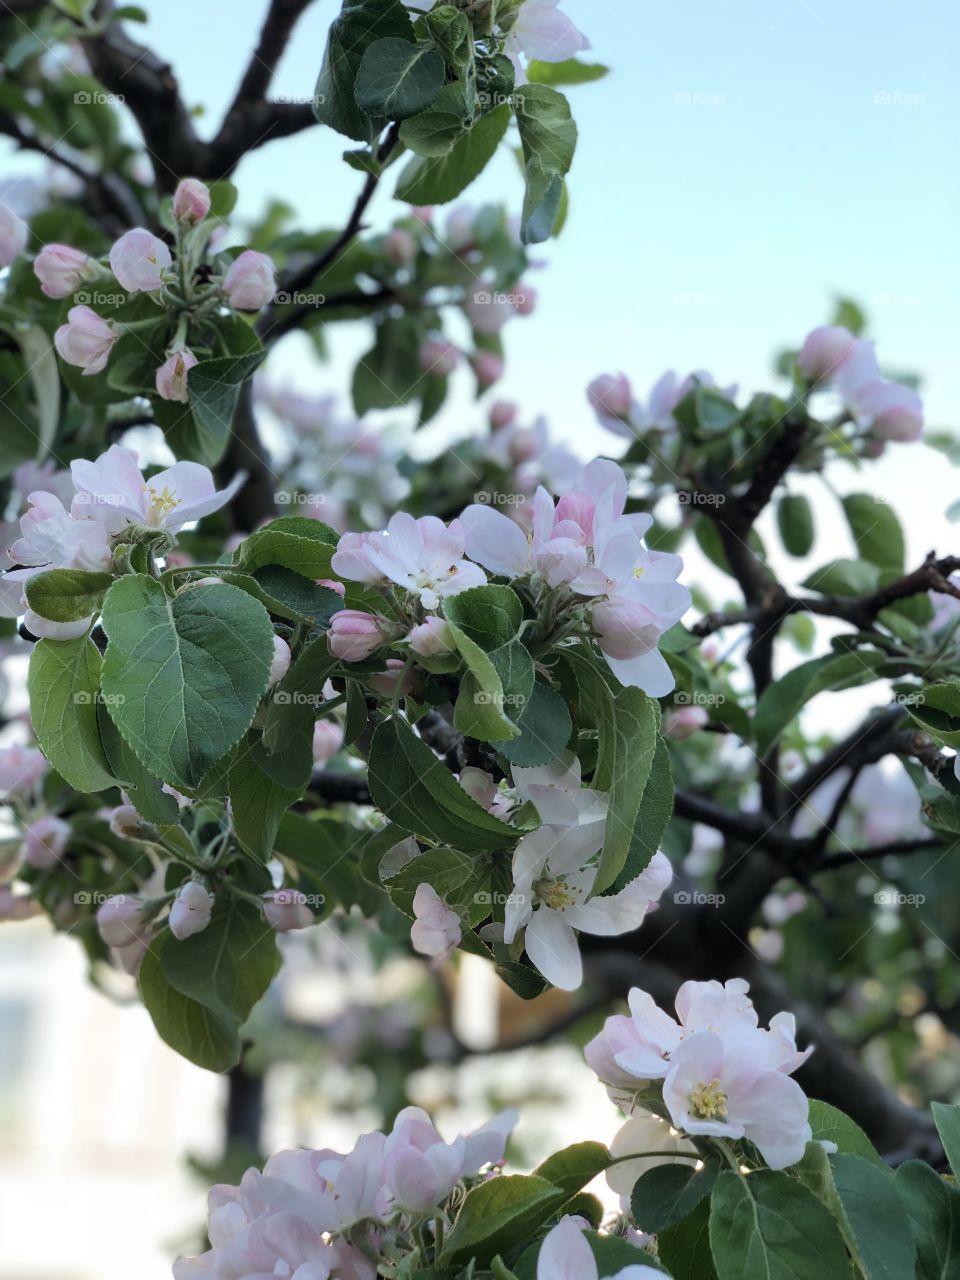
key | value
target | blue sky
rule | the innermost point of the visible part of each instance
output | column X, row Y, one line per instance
column 741, row 165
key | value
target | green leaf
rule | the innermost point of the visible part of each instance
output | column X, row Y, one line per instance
column 627, row 765
column 876, row 530
column 490, row 615
column 200, row 430
column 786, row 697
column 390, row 372
column 64, row 687
column 947, row 1119
column 876, row 1216
column 258, row 803
column 398, row 78
column 933, row 1206
column 548, row 136
column 499, row 1215
column 290, row 543
column 146, row 792
column 937, row 709
column 685, row 1248
column 768, row 1226
column 183, row 676
column 706, row 412
column 795, row 522
column 573, row 1167
column 437, row 130
column 437, row 181
column 358, row 25
column 844, row 578
column 484, row 709
column 208, row 1039
column 668, row 1193
column 67, row 595
column 228, row 965
column 545, row 727
column 414, row 789
column 828, row 1124
column 462, row 880
column 570, row 71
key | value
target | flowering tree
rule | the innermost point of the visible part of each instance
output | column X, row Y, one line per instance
column 476, row 697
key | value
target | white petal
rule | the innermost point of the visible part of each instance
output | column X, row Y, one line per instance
column 552, row 947
column 495, row 541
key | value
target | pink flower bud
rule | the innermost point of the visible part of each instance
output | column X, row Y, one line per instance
column 61, row 269
column 438, row 357
column 126, row 822
column 86, row 340
column 624, row 629
column 327, row 741
column 191, row 201
column 682, row 722
column 891, row 410
column 17, row 906
column 431, row 638
column 286, row 909
column 171, row 377
column 488, row 368
column 333, row 585
column 120, row 920
column 400, row 247
column 137, row 260
column 44, row 841
column 611, row 395
column 354, row 635
column 393, row 680
column 524, row 299
column 191, row 910
column 459, row 231
column 250, row 282
column 281, row 660
column 13, row 235
column 436, row 930
column 823, row 351
column 423, row 213
column 503, row 413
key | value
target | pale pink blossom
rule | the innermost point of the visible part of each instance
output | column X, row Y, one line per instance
column 280, row 663
column 542, row 32
column 121, row 920
column 610, row 396
column 125, row 821
column 399, row 247
column 566, row 1255
column 327, row 741
column 191, row 910
column 394, row 681
column 431, row 638
column 889, row 410
column 681, row 723
column 191, row 201
column 250, row 281
column 424, row 556
column 438, row 357
column 85, row 341
column 354, row 635
column 823, row 351
column 61, row 269
column 644, row 1132
column 503, row 413
column 44, row 841
column 488, row 368
column 436, row 930
column 171, row 377
column 21, row 768
column 482, row 787
column 138, row 260
column 113, row 491
column 420, row 1169
column 13, row 235
column 17, row 906
column 286, row 909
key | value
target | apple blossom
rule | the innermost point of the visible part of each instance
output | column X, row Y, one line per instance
column 51, row 536
column 191, row 909
column 138, row 260
column 327, row 741
column 113, row 491
column 191, row 201
column 683, row 722
column 250, row 281
column 458, row 230
column 171, row 377
column 488, row 368
column 61, row 269
column 611, row 396
column 420, row 1169
column 44, row 841
column 394, row 681
column 286, row 909
column 824, row 350
column 541, row 31
column 436, row 930
column 438, row 357
column 431, row 637
column 13, row 235
column 121, row 920
column 21, row 768
column 400, row 247
column 482, row 787
column 566, row 1255
column 280, row 664
column 17, row 906
column 354, row 635
column 86, row 340
column 503, row 413
column 644, row 1132
column 424, row 556
column 889, row 410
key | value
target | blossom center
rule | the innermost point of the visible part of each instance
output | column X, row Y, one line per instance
column 556, row 894
column 708, row 1101
column 160, row 504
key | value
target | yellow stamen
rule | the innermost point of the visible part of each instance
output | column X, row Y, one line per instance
column 708, row 1101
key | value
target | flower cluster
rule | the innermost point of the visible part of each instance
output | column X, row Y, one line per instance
column 612, row 399
column 143, row 264
column 322, row 1214
column 723, row 1075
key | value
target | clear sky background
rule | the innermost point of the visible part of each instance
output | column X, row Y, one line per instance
column 741, row 165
